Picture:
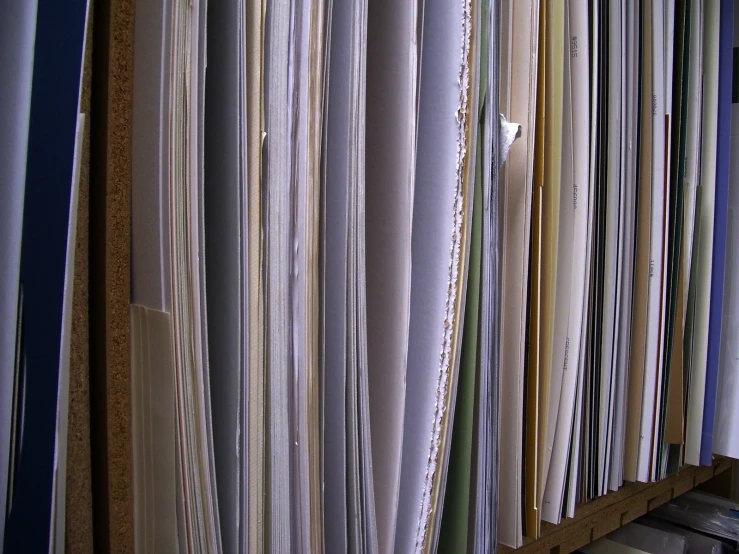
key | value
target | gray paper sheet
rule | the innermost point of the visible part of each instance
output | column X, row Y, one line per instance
column 17, row 35
column 225, row 246
column 391, row 125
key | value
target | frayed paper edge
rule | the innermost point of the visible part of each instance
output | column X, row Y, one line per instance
column 446, row 354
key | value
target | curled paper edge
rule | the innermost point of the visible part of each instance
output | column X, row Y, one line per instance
column 509, row 132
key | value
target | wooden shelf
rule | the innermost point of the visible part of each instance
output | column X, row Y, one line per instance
column 601, row 516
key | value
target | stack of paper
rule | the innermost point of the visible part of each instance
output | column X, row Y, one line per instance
column 350, row 521
column 615, row 298
column 187, row 265
column 363, row 323
column 169, row 272
column 493, row 142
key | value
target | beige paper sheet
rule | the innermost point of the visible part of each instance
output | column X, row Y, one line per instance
column 256, row 364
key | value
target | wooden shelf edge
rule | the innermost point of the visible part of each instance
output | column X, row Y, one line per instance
column 607, row 513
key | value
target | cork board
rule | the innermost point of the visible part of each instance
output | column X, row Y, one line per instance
column 78, row 522
column 109, row 290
